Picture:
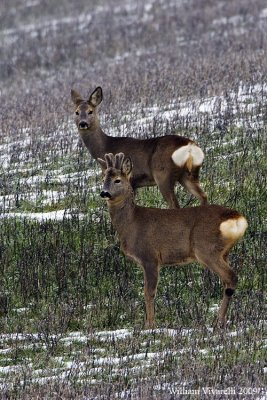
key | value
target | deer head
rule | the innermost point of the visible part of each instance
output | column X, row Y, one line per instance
column 117, row 173
column 85, row 110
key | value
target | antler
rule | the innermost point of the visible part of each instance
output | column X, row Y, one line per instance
column 114, row 161
column 119, row 158
column 110, row 159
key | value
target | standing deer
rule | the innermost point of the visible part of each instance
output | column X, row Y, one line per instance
column 161, row 161
column 153, row 237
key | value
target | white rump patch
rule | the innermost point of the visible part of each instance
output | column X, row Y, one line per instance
column 234, row 228
column 181, row 155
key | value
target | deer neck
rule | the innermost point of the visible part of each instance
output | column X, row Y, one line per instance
column 122, row 214
column 94, row 139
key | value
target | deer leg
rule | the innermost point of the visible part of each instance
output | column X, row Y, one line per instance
column 229, row 278
column 151, row 277
column 166, row 187
column 191, row 183
column 227, row 296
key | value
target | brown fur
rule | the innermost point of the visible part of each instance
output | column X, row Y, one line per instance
column 152, row 163
column 154, row 237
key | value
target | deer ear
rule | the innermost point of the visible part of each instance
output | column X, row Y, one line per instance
column 102, row 163
column 76, row 97
column 127, row 166
column 96, row 97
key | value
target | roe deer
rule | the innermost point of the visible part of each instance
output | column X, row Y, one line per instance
column 161, row 161
column 153, row 237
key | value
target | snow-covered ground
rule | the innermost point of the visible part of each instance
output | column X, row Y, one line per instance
column 100, row 360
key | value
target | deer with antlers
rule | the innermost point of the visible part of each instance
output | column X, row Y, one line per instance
column 153, row 237
column 161, row 161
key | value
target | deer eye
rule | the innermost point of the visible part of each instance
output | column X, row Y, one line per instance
column 77, row 113
column 117, row 180
column 90, row 112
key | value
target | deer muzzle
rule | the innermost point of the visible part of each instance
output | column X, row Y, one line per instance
column 105, row 195
column 83, row 125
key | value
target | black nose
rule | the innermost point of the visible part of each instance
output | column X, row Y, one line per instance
column 83, row 125
column 105, row 194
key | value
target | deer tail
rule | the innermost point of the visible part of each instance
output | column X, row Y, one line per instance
column 188, row 156
column 234, row 228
